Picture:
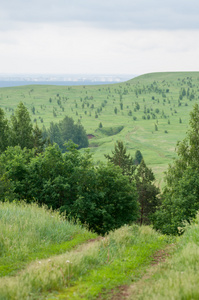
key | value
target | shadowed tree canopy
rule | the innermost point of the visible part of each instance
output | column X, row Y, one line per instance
column 38, row 140
column 138, row 157
column 147, row 192
column 4, row 131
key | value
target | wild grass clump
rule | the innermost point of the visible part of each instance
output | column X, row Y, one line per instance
column 28, row 231
column 178, row 278
column 89, row 270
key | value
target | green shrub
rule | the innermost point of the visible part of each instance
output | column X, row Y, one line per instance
column 111, row 130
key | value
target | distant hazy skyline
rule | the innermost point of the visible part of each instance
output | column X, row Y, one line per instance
column 98, row 37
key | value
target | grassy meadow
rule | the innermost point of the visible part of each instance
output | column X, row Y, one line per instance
column 55, row 259
column 39, row 246
column 149, row 113
column 28, row 232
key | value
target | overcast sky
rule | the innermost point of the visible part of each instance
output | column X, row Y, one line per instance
column 98, row 37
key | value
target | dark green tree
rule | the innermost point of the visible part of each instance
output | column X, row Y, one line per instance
column 54, row 134
column 21, row 131
column 4, row 131
column 180, row 200
column 106, row 200
column 38, row 140
column 66, row 130
column 80, row 137
column 13, row 171
column 138, row 157
column 147, row 192
column 122, row 159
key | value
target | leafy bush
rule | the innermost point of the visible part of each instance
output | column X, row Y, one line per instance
column 111, row 130
column 99, row 196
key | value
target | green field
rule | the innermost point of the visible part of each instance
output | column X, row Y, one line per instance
column 152, row 109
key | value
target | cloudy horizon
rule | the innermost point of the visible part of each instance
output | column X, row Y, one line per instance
column 98, row 37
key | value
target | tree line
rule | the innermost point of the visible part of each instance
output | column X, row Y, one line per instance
column 104, row 197
column 56, row 174
column 19, row 131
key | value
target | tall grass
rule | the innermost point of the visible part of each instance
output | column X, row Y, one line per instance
column 94, row 268
column 179, row 277
column 28, row 231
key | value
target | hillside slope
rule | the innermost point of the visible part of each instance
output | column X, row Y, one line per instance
column 37, row 248
column 149, row 112
column 137, row 260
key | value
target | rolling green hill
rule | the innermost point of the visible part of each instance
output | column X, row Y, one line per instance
column 149, row 112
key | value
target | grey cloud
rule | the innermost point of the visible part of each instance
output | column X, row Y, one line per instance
column 112, row 14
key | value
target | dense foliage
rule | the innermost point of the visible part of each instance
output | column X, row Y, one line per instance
column 21, row 132
column 122, row 159
column 66, row 130
column 99, row 196
column 181, row 194
column 137, row 172
column 147, row 192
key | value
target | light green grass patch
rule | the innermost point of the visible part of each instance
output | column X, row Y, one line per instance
column 29, row 232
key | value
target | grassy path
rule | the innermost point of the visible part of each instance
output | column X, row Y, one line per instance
column 91, row 270
column 125, row 261
column 125, row 292
column 134, row 263
column 176, row 278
